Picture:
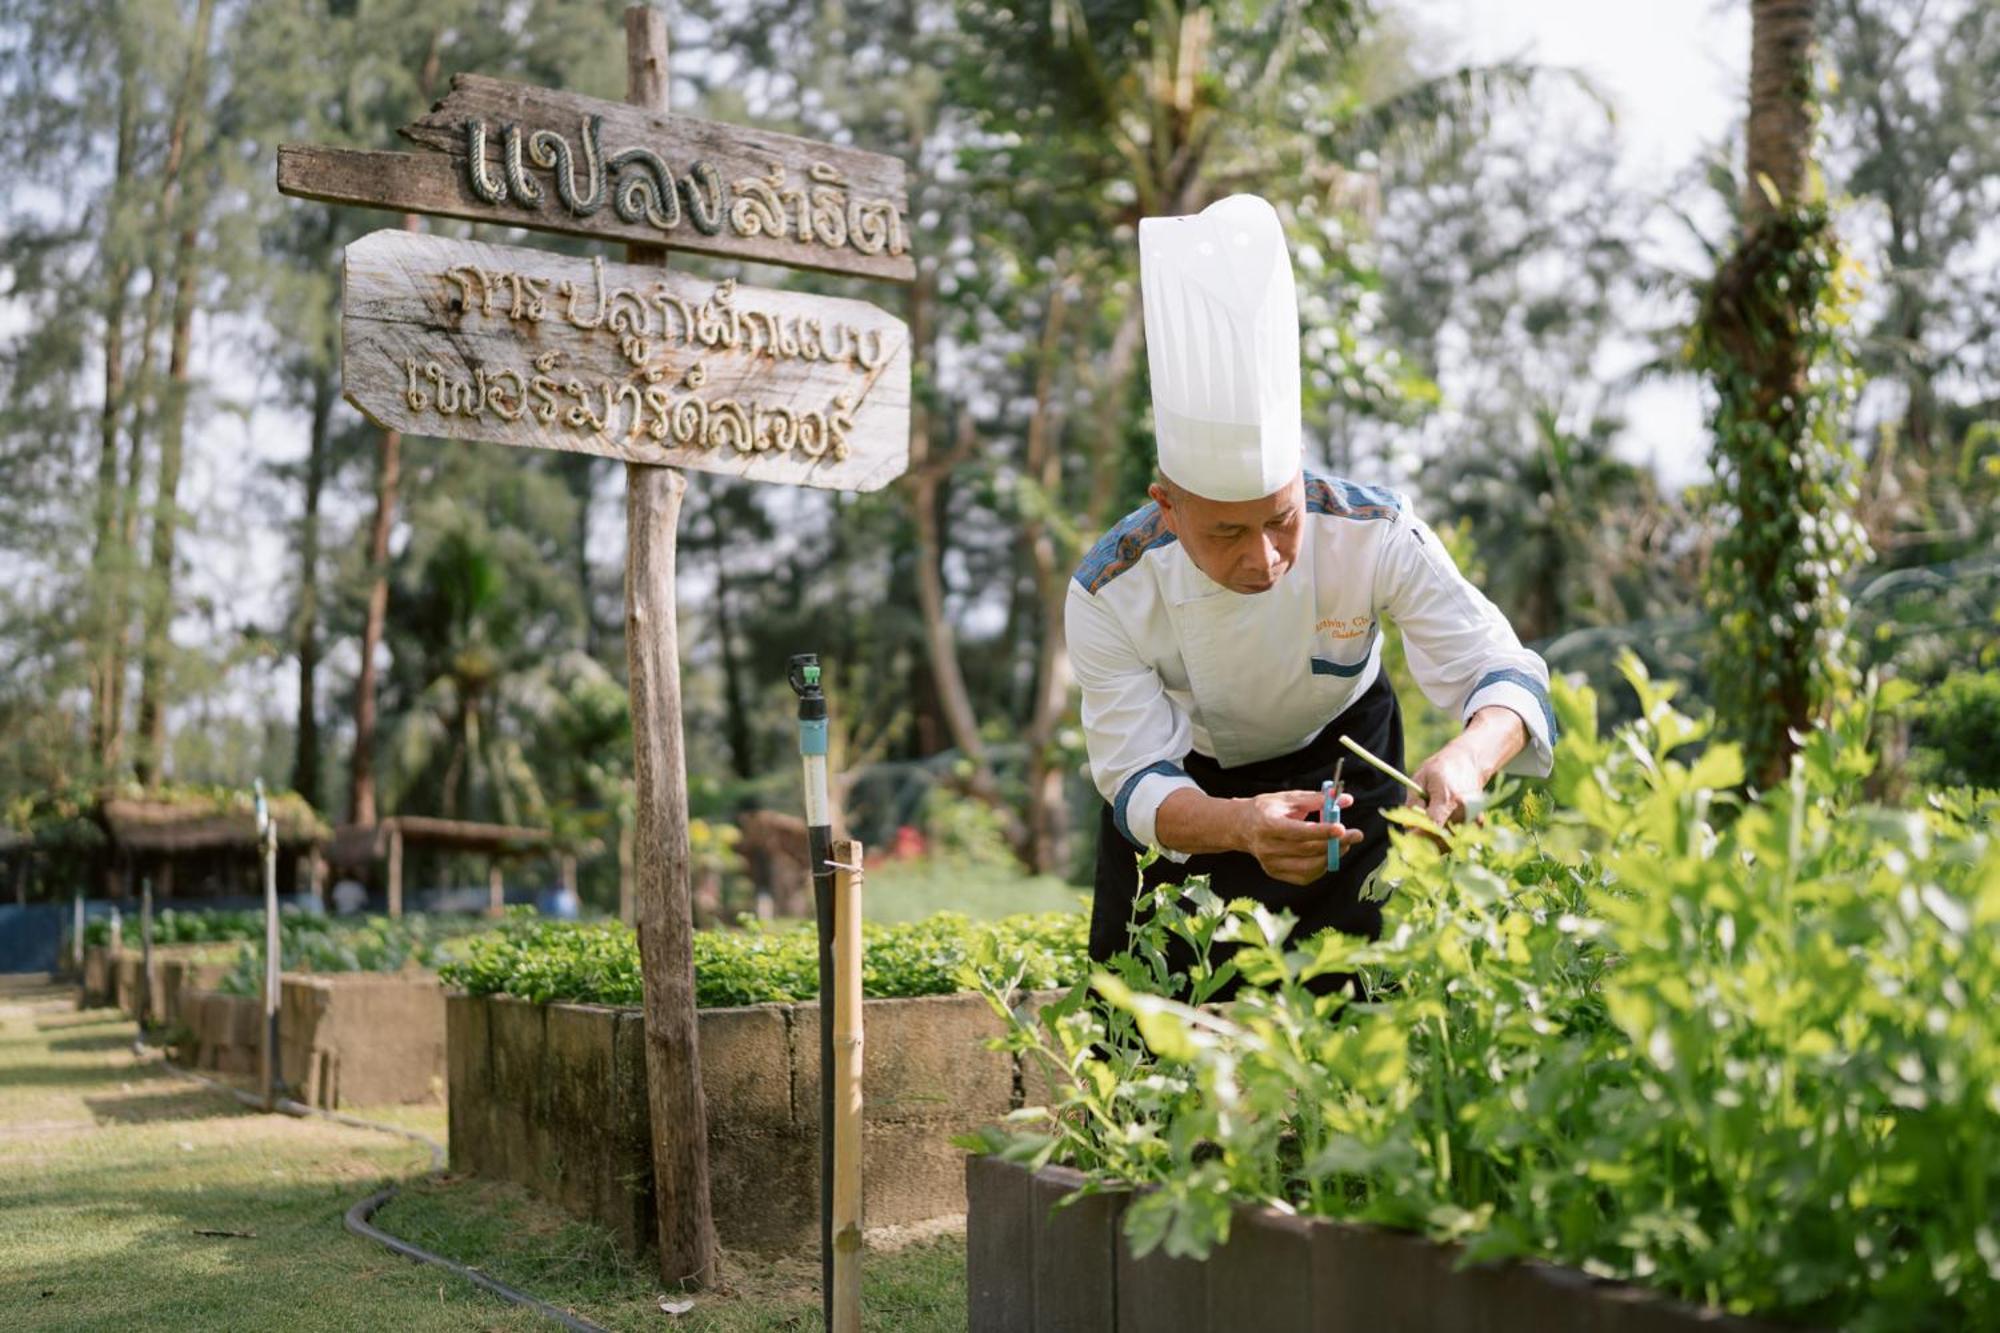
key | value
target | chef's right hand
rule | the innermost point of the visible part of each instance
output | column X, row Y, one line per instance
column 1274, row 829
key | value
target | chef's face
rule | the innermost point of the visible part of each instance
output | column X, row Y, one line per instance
column 1245, row 545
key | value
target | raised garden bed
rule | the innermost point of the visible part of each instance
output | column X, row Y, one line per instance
column 345, row 1039
column 1031, row 1264
column 553, row 1097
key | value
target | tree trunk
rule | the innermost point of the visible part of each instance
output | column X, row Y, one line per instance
column 305, row 759
column 742, row 747
column 144, row 394
column 166, row 512
column 580, row 475
column 110, row 558
column 1107, row 455
column 388, row 472
column 926, row 479
column 166, row 517
column 1780, row 132
column 1778, row 162
column 1046, row 849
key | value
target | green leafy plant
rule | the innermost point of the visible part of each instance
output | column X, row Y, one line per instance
column 312, row 943
column 599, row 963
column 1958, row 728
column 1735, row 1050
column 172, row 926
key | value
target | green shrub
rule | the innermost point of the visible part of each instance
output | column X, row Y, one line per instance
column 173, row 926
column 1958, row 726
column 599, row 963
column 1740, row 1052
column 313, row 943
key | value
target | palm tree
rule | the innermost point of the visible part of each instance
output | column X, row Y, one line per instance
column 469, row 661
column 1774, row 580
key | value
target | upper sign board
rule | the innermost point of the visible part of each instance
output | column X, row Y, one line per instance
column 523, row 156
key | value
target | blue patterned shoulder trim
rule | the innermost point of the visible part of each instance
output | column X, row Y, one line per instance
column 1119, row 549
column 1349, row 499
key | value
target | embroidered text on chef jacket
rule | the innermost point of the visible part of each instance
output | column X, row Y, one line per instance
column 1170, row 661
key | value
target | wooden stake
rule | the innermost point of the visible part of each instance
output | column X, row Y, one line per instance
column 660, row 835
column 496, row 889
column 846, row 1073
column 268, row 855
column 146, row 944
column 395, row 870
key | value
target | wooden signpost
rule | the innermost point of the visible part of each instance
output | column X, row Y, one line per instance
column 662, row 370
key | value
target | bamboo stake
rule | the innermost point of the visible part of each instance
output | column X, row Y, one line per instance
column 846, row 1072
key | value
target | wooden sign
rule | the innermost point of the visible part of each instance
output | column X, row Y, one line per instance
column 491, row 342
column 523, row 156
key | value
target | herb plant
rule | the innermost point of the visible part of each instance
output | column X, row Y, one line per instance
column 599, row 964
column 1738, row 1049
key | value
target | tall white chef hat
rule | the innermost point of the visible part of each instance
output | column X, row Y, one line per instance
column 1222, row 342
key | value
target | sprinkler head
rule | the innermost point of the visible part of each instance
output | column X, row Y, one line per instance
column 803, row 675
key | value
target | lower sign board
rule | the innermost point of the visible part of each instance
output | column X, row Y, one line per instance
column 490, row 342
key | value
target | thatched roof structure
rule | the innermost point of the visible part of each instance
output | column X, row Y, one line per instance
column 361, row 844
column 160, row 821
column 201, row 823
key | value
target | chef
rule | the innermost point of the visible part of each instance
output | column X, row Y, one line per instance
column 1227, row 634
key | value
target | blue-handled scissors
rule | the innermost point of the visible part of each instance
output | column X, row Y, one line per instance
column 1329, row 812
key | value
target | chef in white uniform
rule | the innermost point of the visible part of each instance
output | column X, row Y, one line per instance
column 1228, row 633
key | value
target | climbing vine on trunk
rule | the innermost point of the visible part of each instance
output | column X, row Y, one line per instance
column 1769, row 338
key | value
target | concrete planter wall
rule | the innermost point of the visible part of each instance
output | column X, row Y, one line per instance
column 553, row 1097
column 99, row 976
column 344, row 1039
column 117, row 976
column 1033, row 1266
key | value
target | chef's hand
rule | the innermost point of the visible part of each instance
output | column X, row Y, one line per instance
column 1455, row 777
column 1273, row 829
column 1452, row 782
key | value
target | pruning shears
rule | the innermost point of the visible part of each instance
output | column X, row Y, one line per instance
column 1329, row 811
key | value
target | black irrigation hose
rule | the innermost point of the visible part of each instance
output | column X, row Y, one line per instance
column 359, row 1217
column 358, row 1223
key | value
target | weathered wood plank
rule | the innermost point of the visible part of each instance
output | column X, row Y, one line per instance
column 519, row 155
column 485, row 342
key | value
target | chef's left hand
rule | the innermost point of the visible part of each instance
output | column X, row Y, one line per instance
column 1454, row 778
column 1452, row 782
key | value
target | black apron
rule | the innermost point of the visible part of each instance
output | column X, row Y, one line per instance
column 1331, row 902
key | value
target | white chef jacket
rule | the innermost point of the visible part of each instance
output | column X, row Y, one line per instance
column 1171, row 661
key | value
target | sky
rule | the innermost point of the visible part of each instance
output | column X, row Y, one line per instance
column 1675, row 73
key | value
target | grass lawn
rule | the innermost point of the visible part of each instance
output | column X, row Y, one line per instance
column 111, row 1169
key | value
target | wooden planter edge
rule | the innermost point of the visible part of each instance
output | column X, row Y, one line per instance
column 1031, row 1265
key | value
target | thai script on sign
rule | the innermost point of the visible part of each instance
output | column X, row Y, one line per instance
column 644, row 190
column 650, row 411
column 640, row 318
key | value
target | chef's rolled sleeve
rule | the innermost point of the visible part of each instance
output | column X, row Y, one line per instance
column 1136, row 736
column 1462, row 652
